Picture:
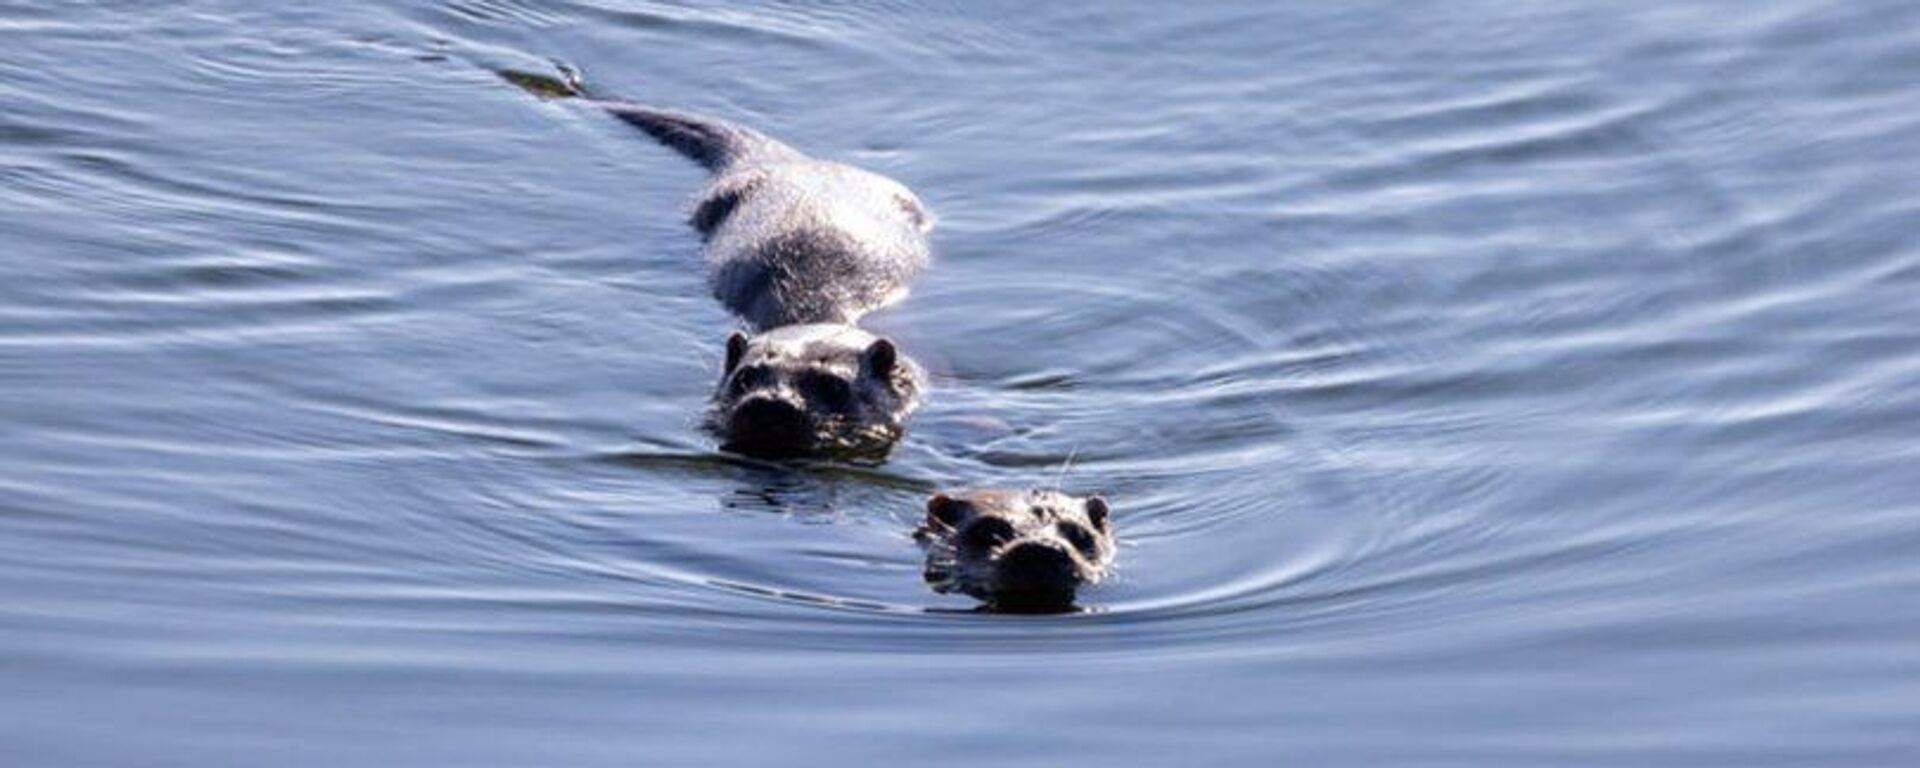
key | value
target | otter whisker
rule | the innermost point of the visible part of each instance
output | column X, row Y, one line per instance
column 1060, row 480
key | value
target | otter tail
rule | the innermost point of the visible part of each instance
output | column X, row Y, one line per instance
column 713, row 143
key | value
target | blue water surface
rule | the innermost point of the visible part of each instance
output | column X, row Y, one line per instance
column 1476, row 384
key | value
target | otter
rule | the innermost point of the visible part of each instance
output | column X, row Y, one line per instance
column 799, row 249
column 1019, row 551
column 814, row 389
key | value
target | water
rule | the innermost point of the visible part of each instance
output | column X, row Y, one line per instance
column 1476, row 384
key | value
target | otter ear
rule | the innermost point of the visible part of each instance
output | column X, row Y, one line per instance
column 881, row 356
column 916, row 213
column 1097, row 512
column 736, row 349
column 946, row 510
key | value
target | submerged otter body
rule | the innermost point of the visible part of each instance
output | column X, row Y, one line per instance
column 800, row 249
column 1016, row 550
column 791, row 239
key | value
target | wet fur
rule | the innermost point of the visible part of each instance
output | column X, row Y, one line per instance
column 788, row 364
column 806, row 241
column 958, row 562
column 792, row 241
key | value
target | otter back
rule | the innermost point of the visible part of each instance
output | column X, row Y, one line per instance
column 790, row 239
column 806, row 241
column 800, row 249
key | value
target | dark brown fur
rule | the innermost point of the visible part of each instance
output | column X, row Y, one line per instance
column 1022, row 551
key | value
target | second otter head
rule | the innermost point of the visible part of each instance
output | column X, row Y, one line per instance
column 814, row 390
column 1019, row 551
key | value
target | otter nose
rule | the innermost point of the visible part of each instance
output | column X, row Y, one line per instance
column 767, row 425
column 1033, row 566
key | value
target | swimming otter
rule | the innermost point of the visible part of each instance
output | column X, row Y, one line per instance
column 793, row 241
column 1018, row 551
column 815, row 389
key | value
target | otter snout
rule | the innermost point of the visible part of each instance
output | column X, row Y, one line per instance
column 1036, row 573
column 769, row 426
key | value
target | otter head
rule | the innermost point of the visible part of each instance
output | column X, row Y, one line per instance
column 1019, row 551
column 814, row 390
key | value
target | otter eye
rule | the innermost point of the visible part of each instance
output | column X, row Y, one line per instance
column 750, row 378
column 1080, row 538
column 828, row 389
column 988, row 533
